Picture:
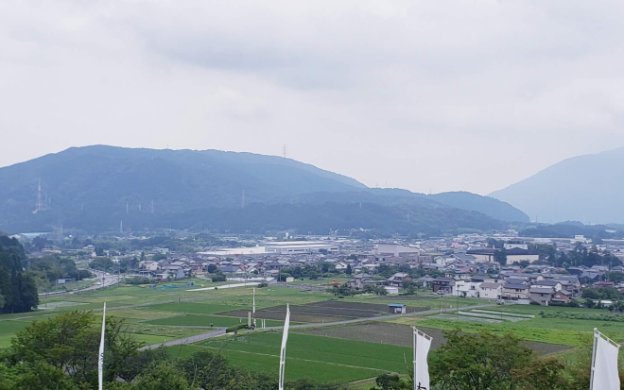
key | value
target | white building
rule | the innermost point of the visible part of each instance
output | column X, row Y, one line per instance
column 490, row 290
column 466, row 289
column 392, row 290
column 300, row 247
column 516, row 255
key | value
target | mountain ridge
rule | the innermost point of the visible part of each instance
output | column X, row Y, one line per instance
column 583, row 188
column 92, row 187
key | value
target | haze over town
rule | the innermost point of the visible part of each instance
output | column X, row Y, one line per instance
column 427, row 96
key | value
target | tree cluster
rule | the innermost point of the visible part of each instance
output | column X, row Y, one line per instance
column 18, row 290
column 49, row 269
column 579, row 256
column 344, row 290
column 103, row 264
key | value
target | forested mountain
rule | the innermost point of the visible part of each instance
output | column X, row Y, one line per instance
column 18, row 291
column 491, row 207
column 101, row 188
column 586, row 188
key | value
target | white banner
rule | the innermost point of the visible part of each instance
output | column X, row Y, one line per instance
column 282, row 367
column 101, row 353
column 422, row 343
column 604, row 375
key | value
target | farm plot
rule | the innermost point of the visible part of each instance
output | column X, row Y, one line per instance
column 325, row 311
column 58, row 304
column 458, row 317
column 376, row 332
column 200, row 321
column 484, row 316
column 401, row 335
column 186, row 307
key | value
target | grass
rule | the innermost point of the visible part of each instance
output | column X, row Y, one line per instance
column 8, row 328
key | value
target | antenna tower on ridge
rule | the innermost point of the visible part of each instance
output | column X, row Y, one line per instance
column 39, row 204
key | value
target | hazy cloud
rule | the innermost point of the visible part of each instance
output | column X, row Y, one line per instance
column 433, row 96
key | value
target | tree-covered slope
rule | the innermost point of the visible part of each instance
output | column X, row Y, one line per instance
column 489, row 206
column 108, row 181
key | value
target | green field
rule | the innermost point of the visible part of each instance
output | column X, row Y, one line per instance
column 326, row 359
column 156, row 315
column 162, row 313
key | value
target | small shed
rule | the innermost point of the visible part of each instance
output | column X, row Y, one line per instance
column 397, row 308
column 390, row 290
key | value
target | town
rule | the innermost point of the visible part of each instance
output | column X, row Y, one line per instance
column 504, row 267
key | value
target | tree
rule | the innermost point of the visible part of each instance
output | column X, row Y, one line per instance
column 17, row 288
column 162, row 375
column 8, row 377
column 102, row 264
column 546, row 373
column 478, row 361
column 500, row 256
column 66, row 343
column 207, row 370
column 349, row 270
column 388, row 381
column 410, row 287
column 219, row 277
column 41, row 375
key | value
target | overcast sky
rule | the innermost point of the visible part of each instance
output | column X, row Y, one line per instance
column 424, row 95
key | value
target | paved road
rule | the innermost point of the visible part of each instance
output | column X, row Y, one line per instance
column 187, row 340
column 103, row 279
column 221, row 331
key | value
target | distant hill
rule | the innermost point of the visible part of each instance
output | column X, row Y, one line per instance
column 569, row 229
column 587, row 188
column 95, row 188
column 491, row 207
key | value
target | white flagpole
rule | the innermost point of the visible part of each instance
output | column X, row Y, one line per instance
column 282, row 366
column 604, row 368
column 101, row 353
column 414, row 352
column 253, row 309
column 421, row 367
column 593, row 364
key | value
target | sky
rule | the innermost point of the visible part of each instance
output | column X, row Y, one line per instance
column 430, row 96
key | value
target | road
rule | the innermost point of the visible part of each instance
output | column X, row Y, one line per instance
column 221, row 332
column 187, row 340
column 380, row 318
column 103, row 279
